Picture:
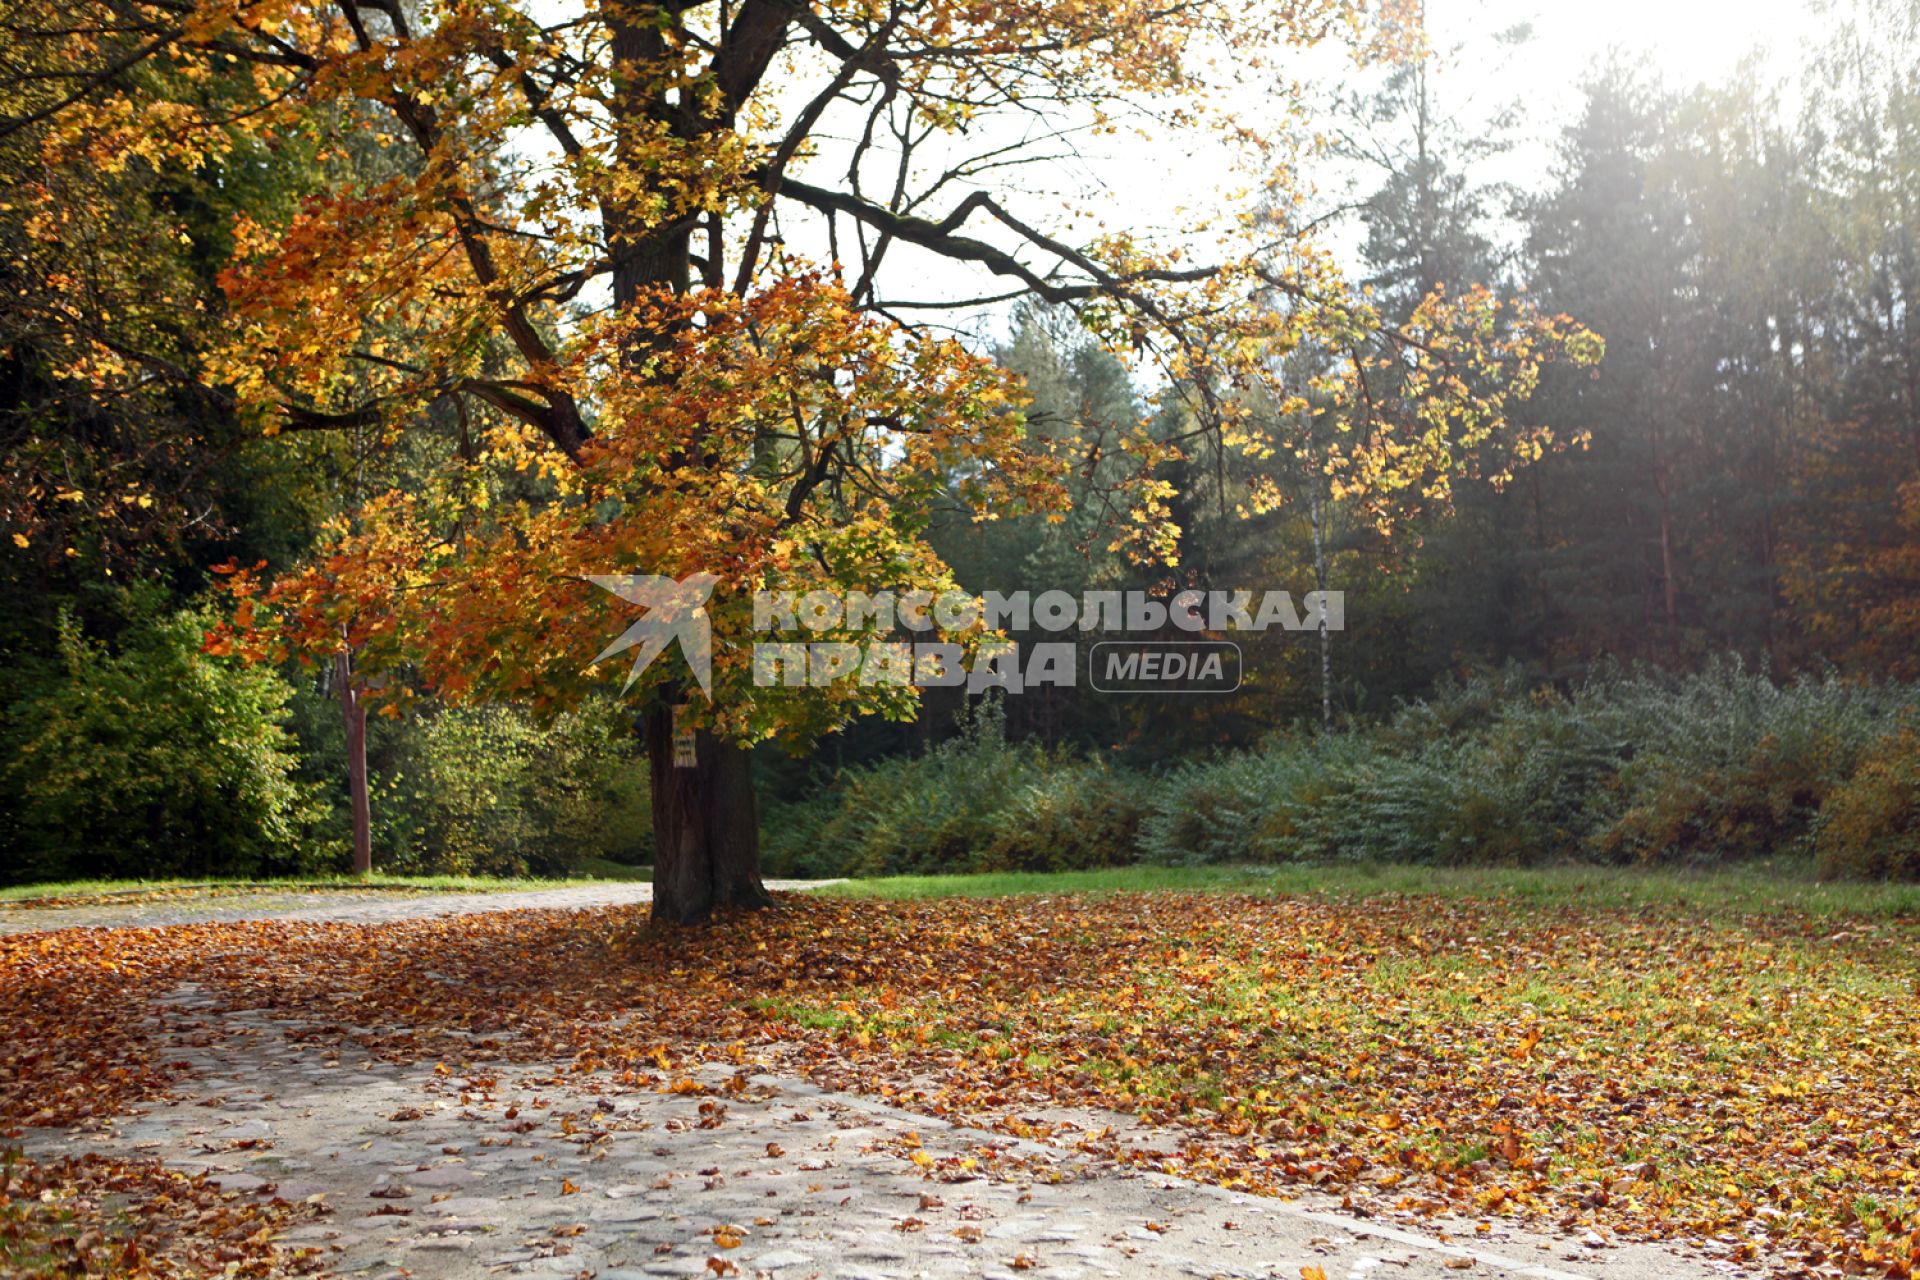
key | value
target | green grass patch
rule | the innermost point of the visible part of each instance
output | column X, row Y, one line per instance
column 1747, row 889
column 1104, row 880
column 607, row 869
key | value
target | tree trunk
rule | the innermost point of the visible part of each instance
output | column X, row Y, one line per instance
column 1320, row 578
column 706, row 831
column 353, row 713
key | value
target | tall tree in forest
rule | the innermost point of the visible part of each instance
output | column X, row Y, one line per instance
column 1850, row 545
column 1420, row 144
column 590, row 267
column 1748, row 443
column 1080, row 398
column 1617, row 238
column 1414, row 146
column 1424, row 144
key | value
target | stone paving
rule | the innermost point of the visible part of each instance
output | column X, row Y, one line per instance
column 711, row 1170
column 368, row 906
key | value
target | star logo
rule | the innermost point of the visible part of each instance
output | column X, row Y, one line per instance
column 674, row 610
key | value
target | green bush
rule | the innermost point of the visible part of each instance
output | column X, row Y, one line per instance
column 1870, row 825
column 1725, row 765
column 1244, row 806
column 155, row 759
column 974, row 803
column 1479, row 775
column 1448, row 803
column 488, row 791
column 1629, row 767
column 1072, row 815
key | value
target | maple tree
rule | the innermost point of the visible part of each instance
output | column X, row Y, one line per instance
column 577, row 264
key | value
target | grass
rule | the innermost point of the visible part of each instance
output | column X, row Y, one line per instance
column 27, row 1229
column 592, row 871
column 40, row 1222
column 1767, row 889
column 603, row 869
column 1728, row 1052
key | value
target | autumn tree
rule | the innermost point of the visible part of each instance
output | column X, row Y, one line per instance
column 119, row 461
column 645, row 264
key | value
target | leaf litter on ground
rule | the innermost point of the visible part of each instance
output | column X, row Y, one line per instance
column 1748, row 1082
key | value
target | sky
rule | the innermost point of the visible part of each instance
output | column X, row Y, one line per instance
column 1163, row 187
column 1685, row 42
column 1166, row 185
column 1689, row 40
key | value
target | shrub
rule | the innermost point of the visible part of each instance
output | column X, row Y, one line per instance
column 1072, row 815
column 1468, row 780
column 1244, row 806
column 974, row 803
column 1870, row 825
column 156, row 760
column 488, row 791
column 1448, row 804
column 1631, row 766
column 1725, row 764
